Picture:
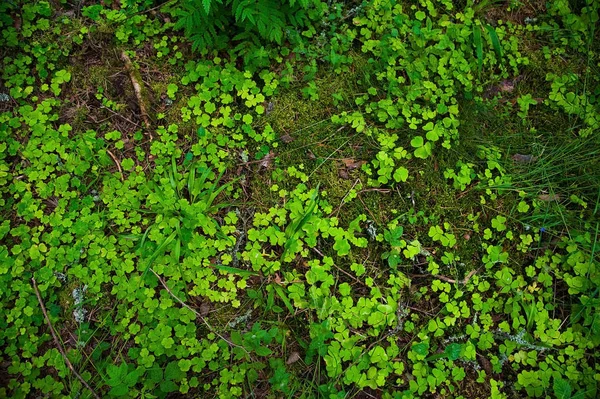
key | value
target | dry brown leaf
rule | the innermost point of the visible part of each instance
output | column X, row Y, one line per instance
column 524, row 158
column 293, row 358
column 270, row 107
column 286, row 139
column 352, row 164
column 549, row 197
column 267, row 160
column 486, row 364
column 506, row 86
column 204, row 309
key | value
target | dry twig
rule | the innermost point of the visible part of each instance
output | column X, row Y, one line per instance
column 57, row 342
column 117, row 163
column 137, row 88
column 463, row 281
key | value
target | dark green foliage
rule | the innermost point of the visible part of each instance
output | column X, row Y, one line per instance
column 399, row 199
column 211, row 24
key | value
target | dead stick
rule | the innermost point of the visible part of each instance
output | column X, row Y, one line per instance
column 116, row 163
column 137, row 88
column 57, row 342
column 463, row 281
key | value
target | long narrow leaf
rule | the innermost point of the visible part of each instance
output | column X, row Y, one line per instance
column 478, row 47
column 216, row 193
column 158, row 251
column 495, row 40
column 190, row 183
column 173, row 175
column 295, row 227
column 199, row 183
column 144, row 238
column 284, row 298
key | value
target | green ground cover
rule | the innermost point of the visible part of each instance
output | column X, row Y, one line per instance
column 281, row 199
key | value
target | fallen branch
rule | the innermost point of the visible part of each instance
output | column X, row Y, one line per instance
column 57, row 342
column 463, row 281
column 137, row 88
column 116, row 163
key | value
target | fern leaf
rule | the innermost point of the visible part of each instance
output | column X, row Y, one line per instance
column 206, row 4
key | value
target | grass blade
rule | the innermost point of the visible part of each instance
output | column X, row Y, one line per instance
column 144, row 239
column 199, row 183
column 190, row 184
column 173, row 175
column 295, row 227
column 157, row 252
column 495, row 41
column 478, row 47
column 284, row 298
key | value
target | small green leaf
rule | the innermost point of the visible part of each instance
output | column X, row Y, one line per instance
column 263, row 351
column 127, row 163
column 424, row 151
column 453, row 351
column 420, row 349
column 417, row 141
column 206, row 4
column 523, row 207
column 342, row 246
column 401, row 174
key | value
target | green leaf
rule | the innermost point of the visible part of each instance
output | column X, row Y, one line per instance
column 168, row 386
column 342, row 246
column 378, row 355
column 417, row 141
column 172, row 371
column 131, row 378
column 263, row 351
column 284, row 298
column 401, row 174
column 523, row 207
column 206, row 4
column 157, row 252
column 119, row 390
column 420, row 349
column 393, row 237
column 292, row 230
column 436, row 233
column 424, row 151
column 562, row 388
column 453, row 351
column 495, row 40
column 127, row 163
